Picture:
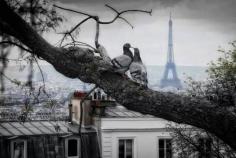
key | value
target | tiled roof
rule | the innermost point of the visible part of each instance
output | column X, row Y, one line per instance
column 33, row 128
column 120, row 111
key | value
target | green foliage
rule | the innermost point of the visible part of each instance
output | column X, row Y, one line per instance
column 42, row 16
column 191, row 142
column 220, row 87
column 38, row 13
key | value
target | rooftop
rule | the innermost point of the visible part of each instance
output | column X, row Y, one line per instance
column 119, row 111
column 33, row 128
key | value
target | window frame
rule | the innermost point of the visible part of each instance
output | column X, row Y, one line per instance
column 78, row 147
column 133, row 145
column 165, row 149
column 17, row 141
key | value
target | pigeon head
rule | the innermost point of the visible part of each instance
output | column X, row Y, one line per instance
column 126, row 50
column 127, row 45
column 137, row 57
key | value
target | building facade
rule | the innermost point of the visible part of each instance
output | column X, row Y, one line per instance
column 134, row 137
column 107, row 130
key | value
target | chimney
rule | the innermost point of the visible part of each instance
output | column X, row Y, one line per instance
column 75, row 112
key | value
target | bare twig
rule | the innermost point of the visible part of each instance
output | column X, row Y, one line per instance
column 80, row 23
column 16, row 44
column 106, row 5
column 10, row 59
column 97, row 34
column 72, row 30
column 71, row 10
column 80, row 44
column 98, row 22
column 125, row 20
column 122, row 12
column 11, row 80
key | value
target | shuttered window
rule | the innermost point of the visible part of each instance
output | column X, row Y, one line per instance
column 126, row 148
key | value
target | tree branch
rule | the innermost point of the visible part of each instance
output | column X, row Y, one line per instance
column 127, row 22
column 98, row 22
column 77, row 62
column 71, row 10
column 122, row 12
column 16, row 44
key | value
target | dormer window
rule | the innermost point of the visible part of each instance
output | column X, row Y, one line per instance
column 72, row 147
column 99, row 95
column 95, row 95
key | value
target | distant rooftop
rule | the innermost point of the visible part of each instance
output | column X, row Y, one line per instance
column 6, row 116
column 33, row 128
column 120, row 111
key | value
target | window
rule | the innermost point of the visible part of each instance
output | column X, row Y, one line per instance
column 205, row 147
column 126, row 148
column 19, row 149
column 165, row 150
column 72, row 147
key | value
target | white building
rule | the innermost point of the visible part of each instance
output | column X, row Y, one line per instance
column 128, row 134
column 122, row 133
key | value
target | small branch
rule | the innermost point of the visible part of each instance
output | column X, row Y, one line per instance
column 106, row 5
column 16, row 44
column 8, row 59
column 11, row 80
column 79, row 24
column 40, row 70
column 80, row 44
column 98, row 22
column 71, row 10
column 72, row 30
column 127, row 22
column 97, row 34
column 122, row 12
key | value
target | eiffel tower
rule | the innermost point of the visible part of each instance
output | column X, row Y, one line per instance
column 167, row 80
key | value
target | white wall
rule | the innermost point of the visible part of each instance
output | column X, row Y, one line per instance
column 144, row 131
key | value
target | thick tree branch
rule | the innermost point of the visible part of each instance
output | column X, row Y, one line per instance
column 76, row 62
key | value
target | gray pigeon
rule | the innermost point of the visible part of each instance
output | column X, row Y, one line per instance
column 138, row 70
column 122, row 62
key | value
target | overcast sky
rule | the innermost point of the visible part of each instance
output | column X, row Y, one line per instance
column 199, row 27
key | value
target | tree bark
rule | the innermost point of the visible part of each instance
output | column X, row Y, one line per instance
column 76, row 62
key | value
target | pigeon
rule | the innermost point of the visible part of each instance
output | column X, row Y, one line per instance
column 138, row 70
column 122, row 62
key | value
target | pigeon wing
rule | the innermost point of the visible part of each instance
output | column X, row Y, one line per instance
column 122, row 61
column 144, row 75
column 135, row 70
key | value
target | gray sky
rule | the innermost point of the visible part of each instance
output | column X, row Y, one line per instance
column 199, row 27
